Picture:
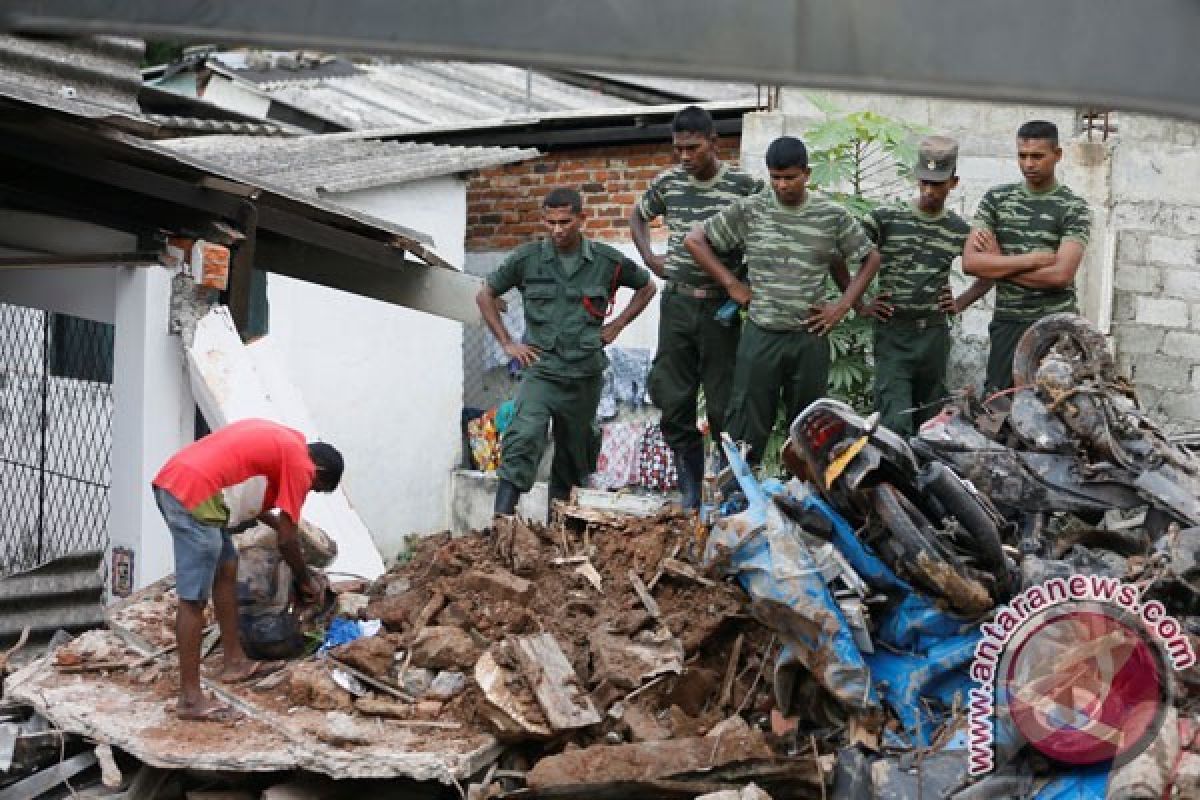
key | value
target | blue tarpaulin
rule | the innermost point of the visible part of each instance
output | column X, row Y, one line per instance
column 788, row 593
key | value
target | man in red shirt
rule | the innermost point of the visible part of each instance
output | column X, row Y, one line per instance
column 190, row 491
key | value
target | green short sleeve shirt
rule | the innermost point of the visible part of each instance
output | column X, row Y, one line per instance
column 789, row 252
column 1028, row 222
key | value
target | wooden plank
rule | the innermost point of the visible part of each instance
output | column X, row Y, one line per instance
column 554, row 682
column 726, row 696
column 644, row 595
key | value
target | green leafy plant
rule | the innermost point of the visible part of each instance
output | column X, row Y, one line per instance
column 859, row 159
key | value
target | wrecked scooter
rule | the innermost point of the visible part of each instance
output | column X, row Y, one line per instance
column 927, row 524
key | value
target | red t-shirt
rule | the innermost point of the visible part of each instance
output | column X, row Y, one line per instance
column 239, row 451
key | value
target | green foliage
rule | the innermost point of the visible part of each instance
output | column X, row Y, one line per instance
column 161, row 53
column 860, row 160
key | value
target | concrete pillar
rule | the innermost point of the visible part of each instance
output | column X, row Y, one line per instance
column 153, row 416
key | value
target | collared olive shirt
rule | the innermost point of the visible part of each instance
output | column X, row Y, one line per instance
column 565, row 312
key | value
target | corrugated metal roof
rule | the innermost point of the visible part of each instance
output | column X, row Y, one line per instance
column 175, row 122
column 312, row 165
column 429, row 93
column 67, row 593
column 94, row 77
column 680, row 89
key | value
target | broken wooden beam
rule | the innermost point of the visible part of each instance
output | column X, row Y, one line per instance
column 554, row 682
column 644, row 595
column 646, row 761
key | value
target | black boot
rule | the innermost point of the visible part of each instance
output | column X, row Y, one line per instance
column 689, row 466
column 507, row 496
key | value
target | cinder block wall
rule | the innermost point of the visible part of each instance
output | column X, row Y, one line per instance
column 1156, row 309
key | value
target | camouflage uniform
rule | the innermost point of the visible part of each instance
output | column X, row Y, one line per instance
column 788, row 256
column 565, row 299
column 1027, row 222
column 912, row 346
column 694, row 349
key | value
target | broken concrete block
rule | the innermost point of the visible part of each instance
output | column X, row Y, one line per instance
column 397, row 611
column 447, row 685
column 441, row 647
column 342, row 730
column 501, row 584
column 371, row 654
column 645, row 761
column 417, row 680
column 627, row 665
column 311, row 685
column 644, row 726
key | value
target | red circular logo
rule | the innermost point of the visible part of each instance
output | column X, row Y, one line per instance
column 1084, row 685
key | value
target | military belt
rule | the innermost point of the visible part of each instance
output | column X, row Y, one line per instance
column 697, row 292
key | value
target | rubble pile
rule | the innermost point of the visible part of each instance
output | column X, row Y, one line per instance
column 859, row 630
column 594, row 643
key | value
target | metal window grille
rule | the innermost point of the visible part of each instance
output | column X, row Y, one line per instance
column 56, row 406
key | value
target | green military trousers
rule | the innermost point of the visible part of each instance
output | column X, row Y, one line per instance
column 794, row 364
column 570, row 404
column 910, row 370
column 1004, row 335
column 694, row 350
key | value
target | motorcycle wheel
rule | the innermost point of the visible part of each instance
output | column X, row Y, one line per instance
column 981, row 527
column 920, row 556
column 1045, row 333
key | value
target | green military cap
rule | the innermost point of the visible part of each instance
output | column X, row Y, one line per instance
column 937, row 157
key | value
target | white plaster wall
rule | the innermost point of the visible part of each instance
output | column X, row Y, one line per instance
column 153, row 416
column 81, row 292
column 383, row 383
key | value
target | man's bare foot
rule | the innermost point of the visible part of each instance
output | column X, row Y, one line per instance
column 249, row 670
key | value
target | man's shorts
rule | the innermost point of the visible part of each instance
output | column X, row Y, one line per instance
column 199, row 548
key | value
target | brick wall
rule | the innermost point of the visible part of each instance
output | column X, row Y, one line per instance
column 503, row 202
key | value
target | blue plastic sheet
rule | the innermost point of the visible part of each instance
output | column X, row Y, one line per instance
column 907, row 678
column 789, row 594
column 916, row 623
column 1085, row 783
column 341, row 630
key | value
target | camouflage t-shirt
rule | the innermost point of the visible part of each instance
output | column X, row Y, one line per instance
column 788, row 252
column 917, row 251
column 1028, row 222
column 684, row 201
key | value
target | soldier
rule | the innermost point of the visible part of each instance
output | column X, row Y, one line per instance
column 1029, row 238
column 918, row 242
column 792, row 240
column 694, row 348
column 567, row 285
